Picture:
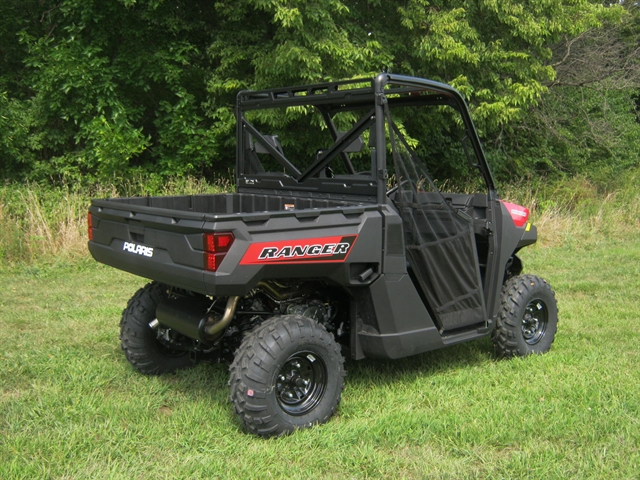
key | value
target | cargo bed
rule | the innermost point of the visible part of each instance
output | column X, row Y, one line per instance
column 163, row 238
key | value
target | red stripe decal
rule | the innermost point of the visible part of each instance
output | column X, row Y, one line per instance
column 303, row 250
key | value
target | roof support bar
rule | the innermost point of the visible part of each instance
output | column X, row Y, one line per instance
column 335, row 149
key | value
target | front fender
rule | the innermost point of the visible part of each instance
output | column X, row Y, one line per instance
column 529, row 236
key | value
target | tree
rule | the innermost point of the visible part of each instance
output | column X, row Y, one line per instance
column 588, row 121
column 100, row 88
column 107, row 86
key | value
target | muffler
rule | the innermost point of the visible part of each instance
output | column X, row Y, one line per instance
column 190, row 316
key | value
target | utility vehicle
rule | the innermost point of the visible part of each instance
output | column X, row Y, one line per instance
column 338, row 242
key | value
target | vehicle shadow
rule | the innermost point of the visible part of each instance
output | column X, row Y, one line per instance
column 453, row 358
column 207, row 383
column 210, row 379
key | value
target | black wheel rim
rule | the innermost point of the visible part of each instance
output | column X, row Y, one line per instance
column 534, row 321
column 301, row 383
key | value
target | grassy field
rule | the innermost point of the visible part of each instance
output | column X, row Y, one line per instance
column 72, row 407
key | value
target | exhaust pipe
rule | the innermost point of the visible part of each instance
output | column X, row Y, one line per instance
column 211, row 329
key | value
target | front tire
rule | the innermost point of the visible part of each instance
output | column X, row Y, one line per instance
column 287, row 374
column 147, row 349
column 528, row 317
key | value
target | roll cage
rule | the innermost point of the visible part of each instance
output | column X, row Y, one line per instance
column 365, row 96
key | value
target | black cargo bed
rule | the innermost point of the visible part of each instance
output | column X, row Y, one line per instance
column 226, row 203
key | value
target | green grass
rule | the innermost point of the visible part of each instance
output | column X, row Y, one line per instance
column 72, row 407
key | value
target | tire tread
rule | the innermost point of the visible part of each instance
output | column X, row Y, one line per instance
column 516, row 293
column 137, row 338
column 257, row 357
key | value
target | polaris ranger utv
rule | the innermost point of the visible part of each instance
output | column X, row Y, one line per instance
column 314, row 258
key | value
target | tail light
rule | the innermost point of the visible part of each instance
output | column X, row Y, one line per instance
column 519, row 214
column 90, row 225
column 216, row 246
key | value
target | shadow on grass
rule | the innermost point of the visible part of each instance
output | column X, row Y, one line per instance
column 448, row 359
column 209, row 380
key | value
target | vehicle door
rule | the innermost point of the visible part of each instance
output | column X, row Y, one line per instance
column 442, row 216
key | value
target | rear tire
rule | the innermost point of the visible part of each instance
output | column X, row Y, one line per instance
column 528, row 317
column 287, row 374
column 141, row 343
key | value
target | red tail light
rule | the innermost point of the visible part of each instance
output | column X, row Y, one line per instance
column 519, row 214
column 90, row 225
column 216, row 246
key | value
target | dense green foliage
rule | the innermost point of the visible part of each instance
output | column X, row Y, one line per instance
column 103, row 89
column 587, row 121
